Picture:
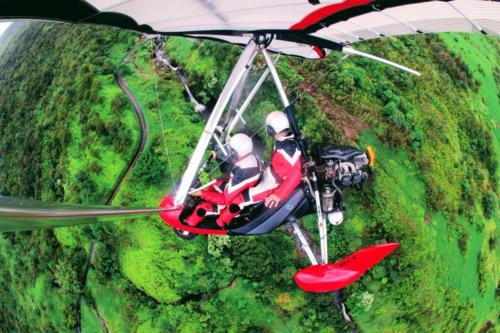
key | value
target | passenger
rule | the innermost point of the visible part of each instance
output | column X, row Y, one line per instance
column 285, row 172
column 224, row 196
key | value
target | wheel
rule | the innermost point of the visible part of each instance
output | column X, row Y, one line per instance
column 185, row 234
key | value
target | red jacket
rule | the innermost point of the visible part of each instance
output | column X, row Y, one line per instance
column 245, row 173
column 286, row 166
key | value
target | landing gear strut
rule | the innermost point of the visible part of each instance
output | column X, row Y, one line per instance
column 307, row 249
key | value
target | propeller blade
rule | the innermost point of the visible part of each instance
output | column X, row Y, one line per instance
column 22, row 214
column 350, row 51
column 331, row 277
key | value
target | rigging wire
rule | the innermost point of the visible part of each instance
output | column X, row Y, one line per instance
column 165, row 147
column 299, row 95
column 315, row 82
column 132, row 49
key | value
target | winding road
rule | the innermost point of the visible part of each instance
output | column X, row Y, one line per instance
column 120, row 80
column 144, row 135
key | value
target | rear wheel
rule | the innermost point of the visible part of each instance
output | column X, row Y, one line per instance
column 185, row 234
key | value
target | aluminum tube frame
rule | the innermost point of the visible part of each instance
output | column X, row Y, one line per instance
column 287, row 108
column 221, row 146
column 235, row 98
column 276, row 78
column 350, row 51
column 251, row 95
column 322, row 227
column 203, row 187
column 305, row 245
column 242, row 66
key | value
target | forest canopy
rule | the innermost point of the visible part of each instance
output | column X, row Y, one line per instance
column 67, row 133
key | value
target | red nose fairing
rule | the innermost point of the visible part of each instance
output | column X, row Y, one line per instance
column 172, row 218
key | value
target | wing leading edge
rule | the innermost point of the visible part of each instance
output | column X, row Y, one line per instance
column 301, row 28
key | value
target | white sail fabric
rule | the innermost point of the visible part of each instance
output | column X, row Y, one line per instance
column 429, row 17
column 278, row 46
column 301, row 27
column 425, row 17
column 208, row 15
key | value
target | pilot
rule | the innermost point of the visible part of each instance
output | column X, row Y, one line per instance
column 285, row 172
column 224, row 197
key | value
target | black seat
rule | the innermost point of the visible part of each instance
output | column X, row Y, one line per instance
column 257, row 219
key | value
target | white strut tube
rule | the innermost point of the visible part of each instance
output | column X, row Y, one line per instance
column 321, row 219
column 246, row 103
column 350, row 51
column 242, row 66
column 276, row 78
column 304, row 244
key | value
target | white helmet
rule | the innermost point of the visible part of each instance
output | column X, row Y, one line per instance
column 277, row 122
column 242, row 144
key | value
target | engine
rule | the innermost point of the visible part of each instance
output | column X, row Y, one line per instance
column 337, row 168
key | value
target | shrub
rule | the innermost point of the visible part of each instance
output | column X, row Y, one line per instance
column 150, row 170
column 490, row 203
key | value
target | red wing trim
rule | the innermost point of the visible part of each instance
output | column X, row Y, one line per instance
column 326, row 11
column 318, row 51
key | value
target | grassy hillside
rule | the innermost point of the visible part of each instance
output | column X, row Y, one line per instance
column 67, row 132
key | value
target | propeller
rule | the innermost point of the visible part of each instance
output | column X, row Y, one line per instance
column 21, row 214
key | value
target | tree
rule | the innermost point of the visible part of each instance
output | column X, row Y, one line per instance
column 150, row 170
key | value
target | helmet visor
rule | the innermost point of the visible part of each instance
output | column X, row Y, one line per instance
column 270, row 130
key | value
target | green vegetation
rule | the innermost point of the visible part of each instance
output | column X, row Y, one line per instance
column 67, row 132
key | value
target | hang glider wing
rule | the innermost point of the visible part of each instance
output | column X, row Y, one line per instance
column 301, row 27
column 424, row 17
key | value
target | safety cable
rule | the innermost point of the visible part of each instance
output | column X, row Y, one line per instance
column 314, row 83
column 132, row 49
column 299, row 95
column 161, row 122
